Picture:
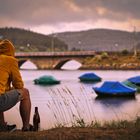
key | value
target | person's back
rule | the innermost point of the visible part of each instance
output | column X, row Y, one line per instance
column 11, row 84
column 9, row 73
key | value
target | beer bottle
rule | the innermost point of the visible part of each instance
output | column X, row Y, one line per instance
column 36, row 120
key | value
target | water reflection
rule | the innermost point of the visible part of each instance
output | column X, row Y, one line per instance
column 114, row 101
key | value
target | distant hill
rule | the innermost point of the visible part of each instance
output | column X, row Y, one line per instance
column 95, row 39
column 100, row 40
column 25, row 40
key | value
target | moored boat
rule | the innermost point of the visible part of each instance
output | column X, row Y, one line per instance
column 90, row 77
column 114, row 88
column 133, row 82
column 46, row 80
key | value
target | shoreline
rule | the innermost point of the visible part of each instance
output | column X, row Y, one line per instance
column 124, row 69
column 93, row 68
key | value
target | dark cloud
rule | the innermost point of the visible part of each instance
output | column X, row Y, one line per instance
column 41, row 12
column 123, row 8
column 126, row 8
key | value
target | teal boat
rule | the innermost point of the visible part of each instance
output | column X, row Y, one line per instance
column 132, row 85
column 46, row 80
column 133, row 82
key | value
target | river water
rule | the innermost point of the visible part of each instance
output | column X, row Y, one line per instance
column 71, row 100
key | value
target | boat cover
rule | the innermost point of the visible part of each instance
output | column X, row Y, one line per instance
column 135, row 80
column 46, row 80
column 114, row 88
column 89, row 77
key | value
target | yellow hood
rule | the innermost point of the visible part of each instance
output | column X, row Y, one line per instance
column 7, row 48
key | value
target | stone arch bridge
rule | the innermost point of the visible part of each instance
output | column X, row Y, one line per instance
column 52, row 60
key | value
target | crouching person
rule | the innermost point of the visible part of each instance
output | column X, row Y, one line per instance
column 12, row 88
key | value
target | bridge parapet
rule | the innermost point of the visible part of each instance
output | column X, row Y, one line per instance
column 72, row 53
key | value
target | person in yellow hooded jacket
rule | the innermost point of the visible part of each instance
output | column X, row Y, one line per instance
column 12, row 88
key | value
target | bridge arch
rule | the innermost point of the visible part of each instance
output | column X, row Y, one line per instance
column 61, row 63
column 21, row 63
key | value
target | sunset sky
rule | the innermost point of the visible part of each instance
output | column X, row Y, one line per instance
column 51, row 16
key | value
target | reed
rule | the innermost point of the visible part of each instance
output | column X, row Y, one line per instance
column 70, row 109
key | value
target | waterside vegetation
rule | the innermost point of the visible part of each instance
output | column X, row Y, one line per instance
column 114, row 61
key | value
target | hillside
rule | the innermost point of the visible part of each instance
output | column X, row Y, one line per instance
column 100, row 40
column 25, row 40
column 97, row 40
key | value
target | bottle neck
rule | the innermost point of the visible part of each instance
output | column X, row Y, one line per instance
column 36, row 109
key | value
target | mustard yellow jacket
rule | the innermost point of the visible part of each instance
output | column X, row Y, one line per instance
column 10, row 76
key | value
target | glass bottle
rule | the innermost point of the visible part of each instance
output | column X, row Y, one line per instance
column 36, row 120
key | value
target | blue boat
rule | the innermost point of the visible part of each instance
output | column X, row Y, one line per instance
column 90, row 77
column 135, row 80
column 114, row 88
column 46, row 80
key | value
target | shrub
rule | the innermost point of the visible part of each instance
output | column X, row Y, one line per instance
column 104, row 55
column 125, row 52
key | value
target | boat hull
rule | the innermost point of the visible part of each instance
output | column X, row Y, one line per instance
column 103, row 94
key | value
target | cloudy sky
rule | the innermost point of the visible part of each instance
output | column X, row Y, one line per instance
column 50, row 16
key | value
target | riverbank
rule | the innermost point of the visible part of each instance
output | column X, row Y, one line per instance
column 122, row 130
column 112, row 61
